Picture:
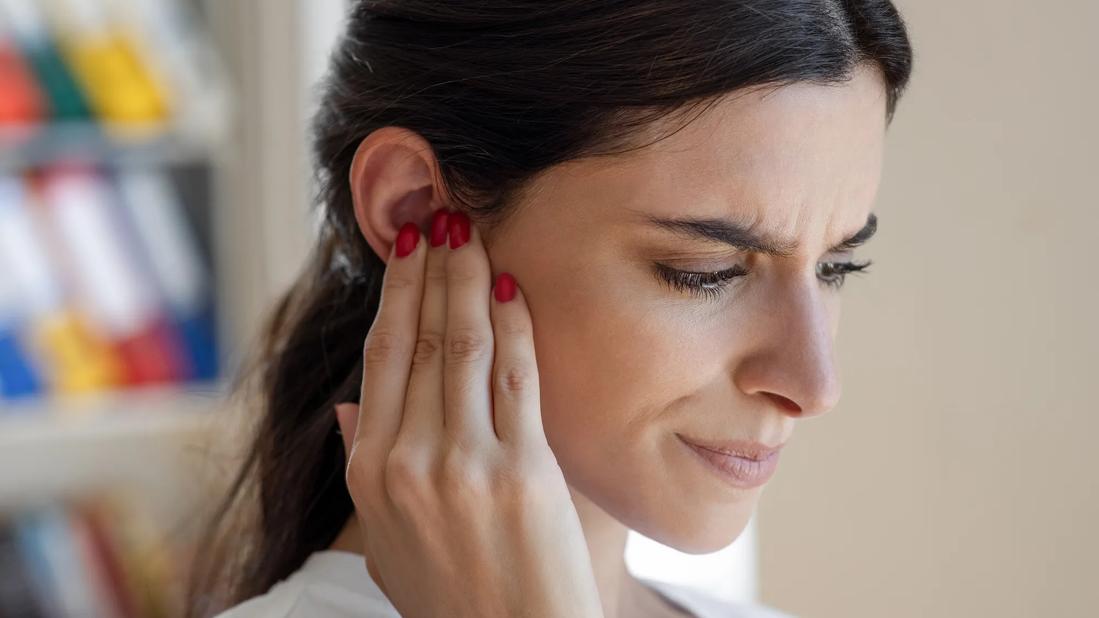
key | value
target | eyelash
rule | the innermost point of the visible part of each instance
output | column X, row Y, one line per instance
column 710, row 285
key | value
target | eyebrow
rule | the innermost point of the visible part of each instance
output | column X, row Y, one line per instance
column 745, row 239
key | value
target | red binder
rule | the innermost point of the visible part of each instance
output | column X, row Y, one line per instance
column 110, row 287
column 21, row 102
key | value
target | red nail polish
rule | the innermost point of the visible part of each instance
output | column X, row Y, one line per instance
column 407, row 239
column 459, row 229
column 438, row 226
column 504, row 288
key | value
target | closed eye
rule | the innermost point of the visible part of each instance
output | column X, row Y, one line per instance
column 711, row 285
column 706, row 284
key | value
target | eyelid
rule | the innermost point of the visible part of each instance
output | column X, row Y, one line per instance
column 704, row 270
column 703, row 264
column 687, row 281
column 739, row 259
column 840, row 256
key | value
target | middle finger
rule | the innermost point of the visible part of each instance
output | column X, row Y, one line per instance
column 468, row 343
column 423, row 416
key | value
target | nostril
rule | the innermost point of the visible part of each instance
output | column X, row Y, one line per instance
column 786, row 404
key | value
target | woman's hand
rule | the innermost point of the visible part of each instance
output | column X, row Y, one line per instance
column 462, row 507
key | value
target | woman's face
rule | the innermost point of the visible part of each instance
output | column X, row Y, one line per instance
column 628, row 362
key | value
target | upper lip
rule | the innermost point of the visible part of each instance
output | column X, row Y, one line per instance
column 749, row 449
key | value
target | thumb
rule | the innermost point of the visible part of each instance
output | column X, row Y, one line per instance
column 347, row 417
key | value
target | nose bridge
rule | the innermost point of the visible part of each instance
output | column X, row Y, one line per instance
column 792, row 361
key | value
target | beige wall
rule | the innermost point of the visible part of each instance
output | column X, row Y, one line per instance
column 957, row 477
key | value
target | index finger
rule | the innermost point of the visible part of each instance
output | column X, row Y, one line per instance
column 388, row 349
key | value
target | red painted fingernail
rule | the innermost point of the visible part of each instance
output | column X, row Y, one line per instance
column 504, row 288
column 407, row 239
column 459, row 229
column 438, row 227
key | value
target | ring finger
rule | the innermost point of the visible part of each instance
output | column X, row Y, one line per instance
column 468, row 344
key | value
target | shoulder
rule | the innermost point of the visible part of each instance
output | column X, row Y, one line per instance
column 278, row 602
column 330, row 584
column 705, row 605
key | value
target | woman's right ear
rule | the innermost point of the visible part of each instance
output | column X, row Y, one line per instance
column 394, row 179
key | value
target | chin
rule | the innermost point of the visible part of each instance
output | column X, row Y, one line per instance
column 690, row 512
column 682, row 508
column 699, row 531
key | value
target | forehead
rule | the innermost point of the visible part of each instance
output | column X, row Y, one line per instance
column 799, row 161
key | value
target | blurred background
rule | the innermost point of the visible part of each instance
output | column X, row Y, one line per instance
column 154, row 192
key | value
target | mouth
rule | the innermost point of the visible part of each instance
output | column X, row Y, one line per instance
column 743, row 464
column 746, row 449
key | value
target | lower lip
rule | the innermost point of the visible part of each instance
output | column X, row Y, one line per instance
column 739, row 472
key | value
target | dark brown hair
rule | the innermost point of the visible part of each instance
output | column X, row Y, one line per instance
column 502, row 90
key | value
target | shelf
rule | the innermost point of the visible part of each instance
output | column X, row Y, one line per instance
column 145, row 437
column 90, row 142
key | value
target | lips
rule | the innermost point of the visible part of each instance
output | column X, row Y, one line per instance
column 746, row 449
column 736, row 470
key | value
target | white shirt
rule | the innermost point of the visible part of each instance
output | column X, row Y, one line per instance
column 336, row 584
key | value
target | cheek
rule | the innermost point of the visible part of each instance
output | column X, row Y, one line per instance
column 612, row 391
column 834, row 316
column 614, row 375
column 614, row 372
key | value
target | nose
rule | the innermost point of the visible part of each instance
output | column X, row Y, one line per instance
column 792, row 361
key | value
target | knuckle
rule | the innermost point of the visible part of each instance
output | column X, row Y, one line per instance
column 512, row 379
column 527, row 496
column 520, row 487
column 405, row 477
column 354, row 475
column 461, row 478
column 466, row 345
column 398, row 281
column 360, row 483
column 428, row 346
column 380, row 347
column 436, row 276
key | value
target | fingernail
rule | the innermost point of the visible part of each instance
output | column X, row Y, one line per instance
column 407, row 239
column 438, row 226
column 504, row 288
column 459, row 229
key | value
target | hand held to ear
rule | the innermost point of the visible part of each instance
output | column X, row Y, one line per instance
column 463, row 509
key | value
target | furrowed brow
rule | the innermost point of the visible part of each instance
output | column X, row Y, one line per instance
column 860, row 237
column 745, row 239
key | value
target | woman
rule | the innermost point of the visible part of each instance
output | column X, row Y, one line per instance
column 579, row 273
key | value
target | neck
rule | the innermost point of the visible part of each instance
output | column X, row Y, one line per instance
column 606, row 539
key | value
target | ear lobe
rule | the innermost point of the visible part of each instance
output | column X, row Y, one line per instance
column 392, row 181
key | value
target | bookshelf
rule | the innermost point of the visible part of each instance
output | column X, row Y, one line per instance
column 86, row 141
column 93, row 71
column 142, row 439
column 139, row 438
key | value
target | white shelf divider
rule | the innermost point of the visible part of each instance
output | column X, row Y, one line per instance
column 148, row 439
